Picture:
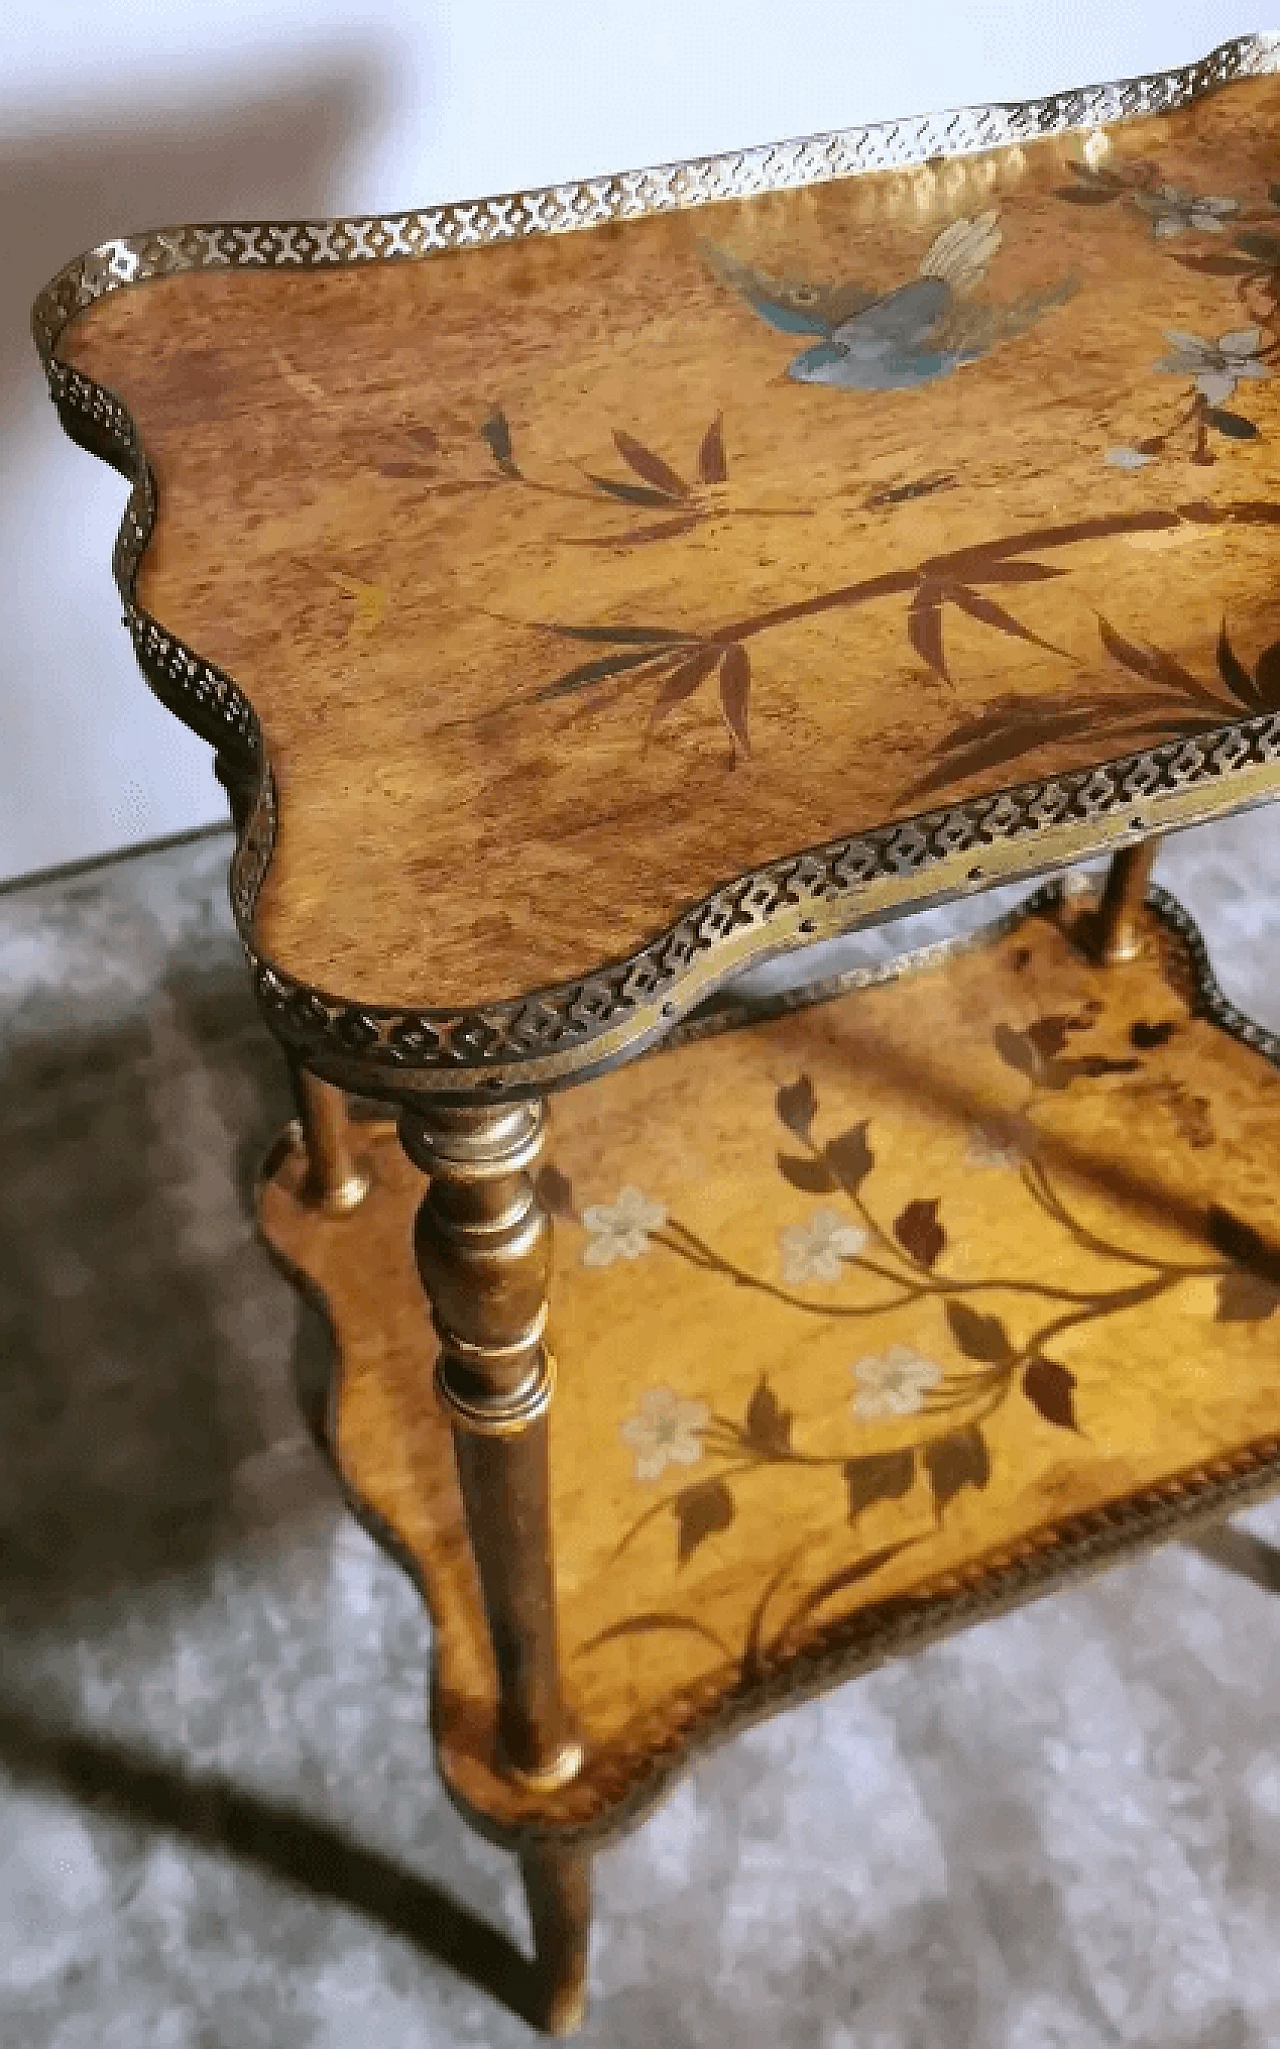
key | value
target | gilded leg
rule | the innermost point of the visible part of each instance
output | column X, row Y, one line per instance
column 557, row 1884
column 334, row 1181
column 483, row 1244
column 1120, row 913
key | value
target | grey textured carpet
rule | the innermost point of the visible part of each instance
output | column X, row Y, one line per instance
column 219, row 1822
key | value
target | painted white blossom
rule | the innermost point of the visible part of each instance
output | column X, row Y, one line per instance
column 1000, row 1142
column 1173, row 211
column 813, row 1251
column 1217, row 367
column 620, row 1230
column 895, row 1385
column 666, row 1432
column 1122, row 458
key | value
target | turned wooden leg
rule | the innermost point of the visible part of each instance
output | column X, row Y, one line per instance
column 483, row 1244
column 334, row 1181
column 557, row 1884
column 1120, row 913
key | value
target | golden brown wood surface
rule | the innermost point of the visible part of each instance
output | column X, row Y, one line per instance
column 867, row 1319
column 1032, row 527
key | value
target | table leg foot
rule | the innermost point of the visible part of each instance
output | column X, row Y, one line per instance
column 557, row 1884
column 336, row 1183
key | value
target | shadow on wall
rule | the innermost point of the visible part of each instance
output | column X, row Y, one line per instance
column 245, row 143
column 196, row 153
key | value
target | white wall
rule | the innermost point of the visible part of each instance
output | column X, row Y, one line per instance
column 118, row 115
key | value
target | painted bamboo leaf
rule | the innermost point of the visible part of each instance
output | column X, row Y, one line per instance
column 924, row 631
column 954, row 1462
column 878, row 1476
column 1217, row 266
column 663, row 531
column 975, row 570
column 588, row 673
column 768, row 1424
column 1266, row 676
column 1239, row 1241
column 682, row 683
column 701, row 1511
column 850, row 1156
column 813, row 1177
column 797, row 1106
column 632, row 494
column 1049, row 1388
column 649, row 466
column 735, row 693
column 1234, row 674
column 555, row 1192
column 1153, row 664
column 1260, row 244
column 918, row 1231
column 712, row 466
column 627, row 636
column 978, row 1336
column 988, row 613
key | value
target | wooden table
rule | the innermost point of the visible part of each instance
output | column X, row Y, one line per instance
column 594, row 592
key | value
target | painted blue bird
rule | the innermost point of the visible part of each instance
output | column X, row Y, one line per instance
column 890, row 341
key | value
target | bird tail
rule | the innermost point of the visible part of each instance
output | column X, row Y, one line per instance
column 961, row 253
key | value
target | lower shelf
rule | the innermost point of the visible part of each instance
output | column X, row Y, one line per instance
column 870, row 1320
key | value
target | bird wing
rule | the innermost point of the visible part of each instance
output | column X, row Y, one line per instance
column 970, row 327
column 961, row 253
column 789, row 303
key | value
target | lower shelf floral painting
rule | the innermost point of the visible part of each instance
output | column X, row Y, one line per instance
column 957, row 1364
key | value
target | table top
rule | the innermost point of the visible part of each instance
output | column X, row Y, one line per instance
column 606, row 587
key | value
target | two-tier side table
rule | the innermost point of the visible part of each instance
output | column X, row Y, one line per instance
column 594, row 592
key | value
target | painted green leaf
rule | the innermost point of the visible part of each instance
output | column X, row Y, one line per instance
column 1049, row 1386
column 1233, row 425
column 701, row 1512
column 496, row 433
column 954, row 1462
column 879, row 1476
column 918, row 1231
column 797, row 1105
column 768, row 1424
column 814, row 1177
column 978, row 1336
column 850, row 1156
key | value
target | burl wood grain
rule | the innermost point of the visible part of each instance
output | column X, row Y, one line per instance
column 335, row 531
column 855, row 1312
